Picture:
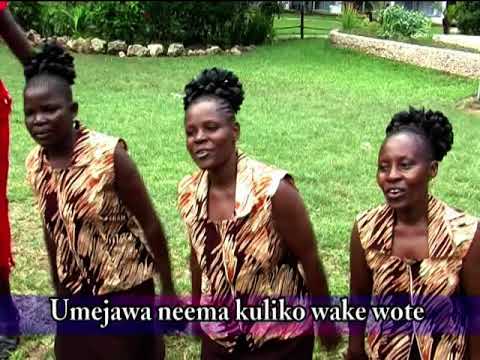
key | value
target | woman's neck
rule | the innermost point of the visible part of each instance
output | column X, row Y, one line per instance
column 63, row 150
column 414, row 215
column 224, row 176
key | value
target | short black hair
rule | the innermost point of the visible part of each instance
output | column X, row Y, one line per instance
column 433, row 126
column 51, row 60
column 215, row 83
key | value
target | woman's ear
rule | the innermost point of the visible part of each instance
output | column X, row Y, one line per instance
column 236, row 131
column 74, row 108
column 433, row 169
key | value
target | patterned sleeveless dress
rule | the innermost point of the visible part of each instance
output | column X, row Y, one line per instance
column 244, row 257
column 432, row 283
column 100, row 246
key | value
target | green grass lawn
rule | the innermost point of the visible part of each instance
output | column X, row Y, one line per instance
column 315, row 25
column 317, row 111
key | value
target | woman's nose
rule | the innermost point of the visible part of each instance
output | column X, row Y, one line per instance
column 199, row 136
column 39, row 119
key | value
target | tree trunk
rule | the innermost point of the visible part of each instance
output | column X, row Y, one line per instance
column 446, row 25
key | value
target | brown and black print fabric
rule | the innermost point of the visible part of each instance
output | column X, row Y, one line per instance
column 100, row 246
column 243, row 257
column 433, row 283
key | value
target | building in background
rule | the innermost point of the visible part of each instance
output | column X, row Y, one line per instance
column 432, row 9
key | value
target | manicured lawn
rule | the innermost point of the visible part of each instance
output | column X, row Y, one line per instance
column 317, row 111
column 320, row 25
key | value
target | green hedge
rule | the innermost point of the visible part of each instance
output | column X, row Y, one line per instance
column 191, row 22
column 468, row 17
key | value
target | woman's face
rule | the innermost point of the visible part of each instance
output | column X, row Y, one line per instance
column 211, row 136
column 404, row 170
column 49, row 113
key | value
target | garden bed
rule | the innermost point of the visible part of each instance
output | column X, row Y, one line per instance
column 418, row 41
column 447, row 60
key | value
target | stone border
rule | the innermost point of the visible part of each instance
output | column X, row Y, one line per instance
column 122, row 49
column 451, row 61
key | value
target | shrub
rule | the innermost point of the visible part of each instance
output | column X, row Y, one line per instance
column 77, row 18
column 468, row 17
column 451, row 13
column 27, row 13
column 50, row 18
column 166, row 20
column 223, row 23
column 112, row 20
column 54, row 20
column 350, row 18
column 270, row 8
column 368, row 28
column 259, row 27
column 397, row 22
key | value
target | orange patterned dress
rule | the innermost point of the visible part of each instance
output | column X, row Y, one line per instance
column 243, row 257
column 100, row 246
column 432, row 283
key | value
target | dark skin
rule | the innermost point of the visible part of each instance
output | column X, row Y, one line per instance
column 405, row 167
column 211, row 144
column 14, row 36
column 209, row 127
column 49, row 115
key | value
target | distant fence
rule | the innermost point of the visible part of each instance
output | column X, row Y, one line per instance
column 302, row 26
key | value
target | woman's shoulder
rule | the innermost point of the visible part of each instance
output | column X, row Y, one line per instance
column 366, row 221
column 33, row 154
column 33, row 160
column 93, row 146
column 370, row 214
column 453, row 212
column 102, row 140
column 259, row 167
column 463, row 225
column 189, row 182
column 266, row 176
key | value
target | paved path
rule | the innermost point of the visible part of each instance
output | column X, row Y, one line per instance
column 467, row 41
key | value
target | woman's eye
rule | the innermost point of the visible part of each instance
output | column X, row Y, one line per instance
column 49, row 109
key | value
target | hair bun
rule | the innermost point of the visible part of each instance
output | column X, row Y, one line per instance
column 218, row 82
column 439, row 131
column 54, row 60
column 433, row 124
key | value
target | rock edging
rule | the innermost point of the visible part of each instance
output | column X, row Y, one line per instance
column 450, row 61
column 122, row 49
